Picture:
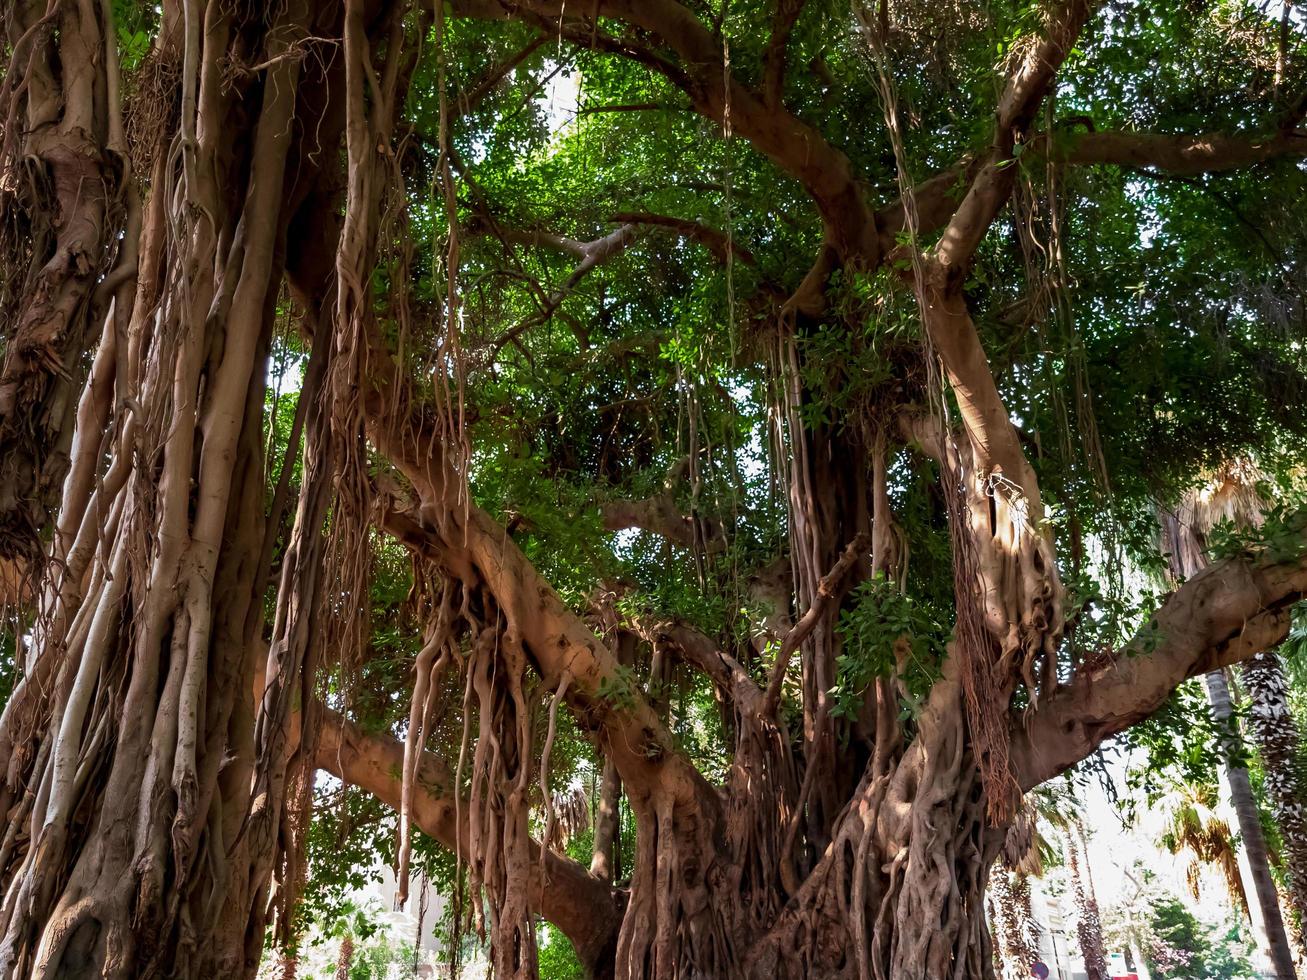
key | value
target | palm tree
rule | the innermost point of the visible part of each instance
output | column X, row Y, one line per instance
column 345, row 958
column 1231, row 496
column 1089, row 926
column 1272, row 729
column 1194, row 826
column 1026, row 852
column 1016, row 935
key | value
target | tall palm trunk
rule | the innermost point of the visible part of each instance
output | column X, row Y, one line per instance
column 1016, row 933
column 1252, row 840
column 1089, row 927
column 1274, row 732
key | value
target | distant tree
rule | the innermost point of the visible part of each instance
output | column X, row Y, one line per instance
column 1182, row 947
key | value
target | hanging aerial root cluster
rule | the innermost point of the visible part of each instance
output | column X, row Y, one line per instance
column 143, row 838
column 469, row 644
column 63, row 182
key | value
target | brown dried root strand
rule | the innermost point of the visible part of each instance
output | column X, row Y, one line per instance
column 281, row 807
column 498, row 858
column 152, row 102
column 762, row 790
column 571, row 812
column 900, row 890
column 450, row 358
column 370, row 108
column 551, row 831
column 946, row 830
column 439, row 651
column 497, row 729
column 1009, row 615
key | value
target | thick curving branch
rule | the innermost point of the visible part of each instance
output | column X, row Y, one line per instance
column 1223, row 615
column 699, row 70
column 586, row 909
column 785, row 16
column 1180, row 153
column 828, row 589
column 660, row 515
column 730, row 676
column 1027, row 85
column 469, row 543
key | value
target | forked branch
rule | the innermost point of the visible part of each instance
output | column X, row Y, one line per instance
column 827, row 590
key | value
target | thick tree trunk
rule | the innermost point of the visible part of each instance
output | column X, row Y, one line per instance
column 140, row 852
column 900, row 890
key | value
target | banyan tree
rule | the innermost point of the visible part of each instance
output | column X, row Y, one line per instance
column 756, row 404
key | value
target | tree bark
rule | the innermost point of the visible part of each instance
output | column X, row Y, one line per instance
column 900, row 890
column 137, row 791
column 65, row 181
column 607, row 824
column 153, row 810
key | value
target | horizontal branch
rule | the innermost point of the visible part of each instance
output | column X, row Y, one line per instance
column 1184, row 154
column 589, row 253
column 1181, row 153
column 586, row 909
column 1223, row 615
column 722, row 245
column 728, row 674
column 659, row 515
